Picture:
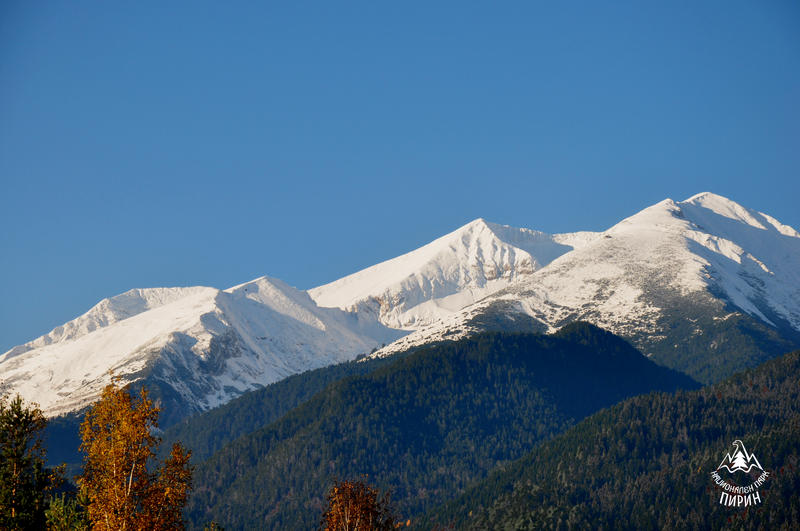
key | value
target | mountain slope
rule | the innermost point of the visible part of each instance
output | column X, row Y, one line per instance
column 426, row 425
column 705, row 286
column 444, row 276
column 199, row 348
column 207, row 432
column 107, row 312
column 646, row 463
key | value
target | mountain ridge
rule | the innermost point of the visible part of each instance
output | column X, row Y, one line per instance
column 704, row 285
column 457, row 269
column 207, row 347
column 424, row 425
column 653, row 273
column 654, row 456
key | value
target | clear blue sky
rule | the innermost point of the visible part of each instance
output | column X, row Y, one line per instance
column 165, row 143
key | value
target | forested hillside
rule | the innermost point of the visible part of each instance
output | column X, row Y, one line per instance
column 425, row 426
column 646, row 463
column 207, row 432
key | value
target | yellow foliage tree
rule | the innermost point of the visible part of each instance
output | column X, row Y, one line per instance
column 357, row 506
column 118, row 442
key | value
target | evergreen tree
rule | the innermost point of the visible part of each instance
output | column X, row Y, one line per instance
column 739, row 462
column 25, row 483
column 67, row 513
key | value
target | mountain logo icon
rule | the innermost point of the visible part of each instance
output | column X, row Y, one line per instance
column 739, row 460
column 732, row 494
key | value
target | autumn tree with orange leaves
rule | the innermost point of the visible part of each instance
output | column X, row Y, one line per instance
column 357, row 506
column 125, row 489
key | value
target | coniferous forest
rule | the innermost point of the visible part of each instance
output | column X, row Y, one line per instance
column 646, row 463
column 499, row 431
column 425, row 427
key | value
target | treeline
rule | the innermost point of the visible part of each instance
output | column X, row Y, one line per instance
column 646, row 463
column 208, row 432
column 424, row 426
column 714, row 341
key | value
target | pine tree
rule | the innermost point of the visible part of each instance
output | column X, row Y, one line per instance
column 67, row 513
column 739, row 462
column 25, row 482
column 123, row 493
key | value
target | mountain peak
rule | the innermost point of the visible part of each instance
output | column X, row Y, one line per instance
column 109, row 311
column 723, row 206
column 208, row 345
column 702, row 196
column 476, row 226
column 445, row 275
column 705, row 206
column 477, row 222
column 707, row 252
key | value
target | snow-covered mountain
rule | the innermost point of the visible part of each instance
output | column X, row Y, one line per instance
column 670, row 278
column 197, row 347
column 703, row 285
column 108, row 312
column 448, row 274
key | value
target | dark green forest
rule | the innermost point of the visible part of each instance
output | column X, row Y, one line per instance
column 207, row 432
column 646, row 463
column 425, row 426
column 499, row 431
column 710, row 340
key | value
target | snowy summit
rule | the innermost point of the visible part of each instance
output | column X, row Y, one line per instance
column 688, row 265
